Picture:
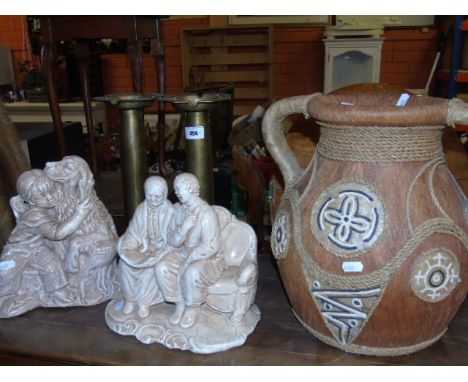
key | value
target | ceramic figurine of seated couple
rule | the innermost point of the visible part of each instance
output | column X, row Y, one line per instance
column 185, row 269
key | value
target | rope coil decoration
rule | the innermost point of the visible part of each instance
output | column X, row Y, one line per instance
column 380, row 144
column 456, row 112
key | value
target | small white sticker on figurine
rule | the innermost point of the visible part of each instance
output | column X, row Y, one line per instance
column 402, row 101
column 7, row 264
column 352, row 266
column 195, row 132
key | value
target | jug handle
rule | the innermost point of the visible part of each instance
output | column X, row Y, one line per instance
column 275, row 140
column 457, row 113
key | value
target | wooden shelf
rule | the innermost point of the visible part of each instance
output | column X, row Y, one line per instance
column 461, row 128
column 238, row 55
column 465, row 25
column 462, row 75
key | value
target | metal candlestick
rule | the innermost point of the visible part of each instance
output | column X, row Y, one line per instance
column 133, row 157
column 198, row 135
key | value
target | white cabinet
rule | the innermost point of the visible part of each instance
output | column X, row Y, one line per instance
column 70, row 111
column 351, row 61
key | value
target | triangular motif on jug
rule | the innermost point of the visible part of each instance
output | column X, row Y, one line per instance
column 345, row 311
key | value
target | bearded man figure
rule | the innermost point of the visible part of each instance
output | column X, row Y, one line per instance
column 143, row 245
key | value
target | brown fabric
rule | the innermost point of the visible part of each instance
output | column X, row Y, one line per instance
column 378, row 109
column 12, row 163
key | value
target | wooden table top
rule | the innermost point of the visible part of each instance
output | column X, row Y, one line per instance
column 94, row 27
column 80, row 336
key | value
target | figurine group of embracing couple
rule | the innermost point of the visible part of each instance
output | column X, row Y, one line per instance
column 170, row 252
column 62, row 250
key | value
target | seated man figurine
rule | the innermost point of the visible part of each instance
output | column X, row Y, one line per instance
column 185, row 275
column 142, row 246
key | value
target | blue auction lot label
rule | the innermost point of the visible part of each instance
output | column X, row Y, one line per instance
column 194, row 132
column 8, row 264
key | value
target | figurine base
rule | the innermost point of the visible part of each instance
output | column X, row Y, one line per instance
column 213, row 331
column 101, row 286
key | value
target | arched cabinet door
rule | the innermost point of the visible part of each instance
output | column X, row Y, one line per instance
column 351, row 61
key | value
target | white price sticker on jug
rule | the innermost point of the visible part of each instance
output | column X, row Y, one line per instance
column 403, row 100
column 352, row 266
column 195, row 132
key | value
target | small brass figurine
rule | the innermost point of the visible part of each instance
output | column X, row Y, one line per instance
column 188, row 272
column 62, row 251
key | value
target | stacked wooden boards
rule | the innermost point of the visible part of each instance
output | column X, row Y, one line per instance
column 241, row 56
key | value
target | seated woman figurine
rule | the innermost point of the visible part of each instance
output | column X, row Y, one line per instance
column 30, row 244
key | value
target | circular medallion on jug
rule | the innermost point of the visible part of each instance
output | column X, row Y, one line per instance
column 435, row 275
column 281, row 234
column 348, row 218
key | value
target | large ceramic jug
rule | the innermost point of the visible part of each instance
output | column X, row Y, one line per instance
column 371, row 238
